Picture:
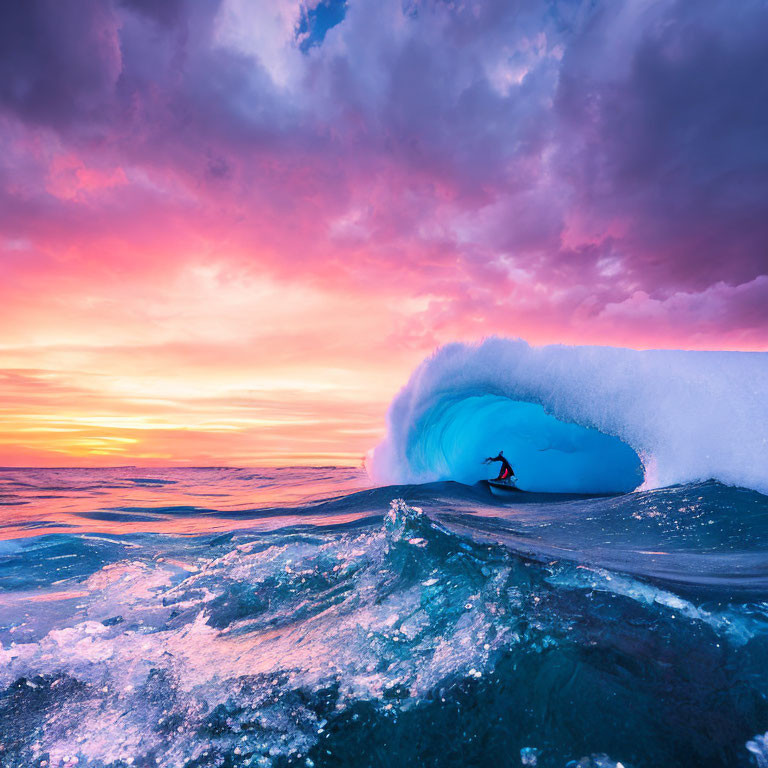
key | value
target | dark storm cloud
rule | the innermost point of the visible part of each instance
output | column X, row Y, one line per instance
column 597, row 149
column 58, row 62
column 670, row 125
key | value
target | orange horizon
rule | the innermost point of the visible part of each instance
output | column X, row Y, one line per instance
column 196, row 415
column 228, row 238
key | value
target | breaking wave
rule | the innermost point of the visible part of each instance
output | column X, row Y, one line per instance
column 580, row 419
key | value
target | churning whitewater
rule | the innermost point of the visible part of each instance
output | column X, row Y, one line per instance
column 616, row 616
column 157, row 618
column 581, row 419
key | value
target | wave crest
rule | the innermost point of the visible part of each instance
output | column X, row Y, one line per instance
column 588, row 419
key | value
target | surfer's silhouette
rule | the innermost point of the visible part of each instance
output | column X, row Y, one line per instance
column 506, row 472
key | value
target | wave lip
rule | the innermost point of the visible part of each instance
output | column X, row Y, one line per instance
column 580, row 419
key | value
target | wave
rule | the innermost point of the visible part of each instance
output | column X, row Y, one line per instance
column 580, row 419
column 312, row 648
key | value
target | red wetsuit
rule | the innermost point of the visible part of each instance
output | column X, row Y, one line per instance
column 506, row 470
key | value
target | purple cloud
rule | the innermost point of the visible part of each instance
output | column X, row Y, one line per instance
column 558, row 158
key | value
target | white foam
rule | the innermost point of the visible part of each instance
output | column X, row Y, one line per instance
column 690, row 416
column 758, row 747
column 367, row 641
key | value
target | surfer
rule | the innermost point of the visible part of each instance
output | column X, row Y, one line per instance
column 506, row 472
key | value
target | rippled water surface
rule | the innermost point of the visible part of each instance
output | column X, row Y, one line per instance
column 225, row 617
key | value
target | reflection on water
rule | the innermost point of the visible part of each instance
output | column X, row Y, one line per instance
column 225, row 618
column 176, row 500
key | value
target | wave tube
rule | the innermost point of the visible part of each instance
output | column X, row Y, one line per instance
column 580, row 419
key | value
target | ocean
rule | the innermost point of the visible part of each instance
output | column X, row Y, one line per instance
column 301, row 617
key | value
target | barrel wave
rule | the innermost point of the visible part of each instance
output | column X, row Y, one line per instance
column 580, row 419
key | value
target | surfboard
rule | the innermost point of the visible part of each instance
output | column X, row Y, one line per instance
column 503, row 487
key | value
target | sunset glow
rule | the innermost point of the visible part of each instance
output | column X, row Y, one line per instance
column 229, row 231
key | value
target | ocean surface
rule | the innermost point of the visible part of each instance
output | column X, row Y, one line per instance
column 299, row 617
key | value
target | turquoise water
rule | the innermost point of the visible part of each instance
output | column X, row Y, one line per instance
column 223, row 617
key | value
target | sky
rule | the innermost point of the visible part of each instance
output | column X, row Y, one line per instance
column 229, row 230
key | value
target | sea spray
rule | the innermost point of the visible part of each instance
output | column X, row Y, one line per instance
column 417, row 625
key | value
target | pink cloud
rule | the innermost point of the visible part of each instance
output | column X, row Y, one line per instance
column 70, row 179
column 422, row 173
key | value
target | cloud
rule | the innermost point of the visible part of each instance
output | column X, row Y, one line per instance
column 737, row 313
column 667, row 106
column 58, row 66
column 424, row 170
column 534, row 132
